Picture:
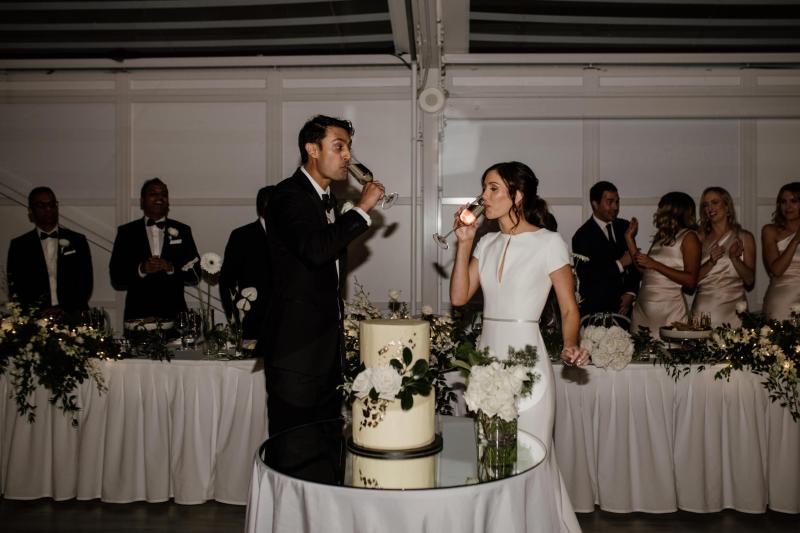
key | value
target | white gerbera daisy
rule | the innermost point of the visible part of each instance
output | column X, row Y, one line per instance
column 211, row 263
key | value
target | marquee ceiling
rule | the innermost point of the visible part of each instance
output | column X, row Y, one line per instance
column 127, row 29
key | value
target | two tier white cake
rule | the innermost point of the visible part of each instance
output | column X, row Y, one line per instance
column 389, row 428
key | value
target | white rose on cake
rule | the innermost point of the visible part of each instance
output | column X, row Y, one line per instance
column 386, row 382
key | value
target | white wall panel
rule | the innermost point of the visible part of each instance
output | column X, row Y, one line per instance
column 382, row 139
column 647, row 158
column 200, row 149
column 777, row 155
column 552, row 148
column 66, row 146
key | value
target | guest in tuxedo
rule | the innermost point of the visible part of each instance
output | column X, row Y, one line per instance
column 301, row 339
column 781, row 251
column 50, row 267
column 608, row 282
column 669, row 267
column 152, row 258
column 246, row 264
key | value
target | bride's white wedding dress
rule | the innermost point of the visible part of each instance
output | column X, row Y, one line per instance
column 515, row 278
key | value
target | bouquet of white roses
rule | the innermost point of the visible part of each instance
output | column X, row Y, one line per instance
column 609, row 346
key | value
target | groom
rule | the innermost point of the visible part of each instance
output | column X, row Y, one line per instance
column 301, row 337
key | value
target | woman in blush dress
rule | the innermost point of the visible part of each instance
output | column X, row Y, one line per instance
column 516, row 267
column 781, row 253
column 669, row 267
column 727, row 265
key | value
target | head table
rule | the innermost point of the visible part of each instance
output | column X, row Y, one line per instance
column 633, row 440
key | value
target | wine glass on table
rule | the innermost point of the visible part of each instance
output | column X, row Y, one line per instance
column 468, row 216
column 182, row 324
column 363, row 175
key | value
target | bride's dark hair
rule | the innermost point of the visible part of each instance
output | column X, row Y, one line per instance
column 519, row 177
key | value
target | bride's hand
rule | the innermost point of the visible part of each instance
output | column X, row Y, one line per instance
column 464, row 232
column 575, row 355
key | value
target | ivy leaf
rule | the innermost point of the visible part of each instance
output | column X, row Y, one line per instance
column 407, row 355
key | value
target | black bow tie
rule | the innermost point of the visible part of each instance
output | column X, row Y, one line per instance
column 328, row 201
column 44, row 235
column 159, row 225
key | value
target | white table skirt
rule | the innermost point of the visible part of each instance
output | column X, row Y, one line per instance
column 282, row 504
column 185, row 430
column 636, row 440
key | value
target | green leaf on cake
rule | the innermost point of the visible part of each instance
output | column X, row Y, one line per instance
column 407, row 355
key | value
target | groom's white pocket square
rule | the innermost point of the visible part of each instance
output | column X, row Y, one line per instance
column 176, row 241
column 70, row 252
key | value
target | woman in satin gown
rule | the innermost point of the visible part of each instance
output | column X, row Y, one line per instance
column 669, row 267
column 781, row 250
column 516, row 267
column 728, row 260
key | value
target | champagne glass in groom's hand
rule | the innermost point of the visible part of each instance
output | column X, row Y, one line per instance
column 363, row 175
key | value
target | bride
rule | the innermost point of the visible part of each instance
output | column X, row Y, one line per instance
column 516, row 267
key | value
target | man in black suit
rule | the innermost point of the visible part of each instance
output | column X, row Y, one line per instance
column 608, row 282
column 153, row 258
column 301, row 340
column 50, row 267
column 246, row 264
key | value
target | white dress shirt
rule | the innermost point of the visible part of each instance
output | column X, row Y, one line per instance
column 603, row 226
column 50, row 250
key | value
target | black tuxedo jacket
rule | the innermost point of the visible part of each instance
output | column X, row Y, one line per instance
column 28, row 281
column 601, row 282
column 154, row 295
column 303, row 322
column 246, row 264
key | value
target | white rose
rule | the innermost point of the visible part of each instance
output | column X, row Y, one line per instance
column 173, row 232
column 250, row 293
column 387, row 382
column 64, row 243
column 427, row 310
column 394, row 295
column 211, row 263
column 741, row 307
column 363, row 383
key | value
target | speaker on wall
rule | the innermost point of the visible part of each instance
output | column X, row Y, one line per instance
column 432, row 99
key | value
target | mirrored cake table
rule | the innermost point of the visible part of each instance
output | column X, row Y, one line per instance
column 306, row 479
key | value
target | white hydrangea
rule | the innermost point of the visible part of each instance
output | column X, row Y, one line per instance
column 493, row 389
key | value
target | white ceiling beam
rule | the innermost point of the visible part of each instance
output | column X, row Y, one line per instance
column 455, row 18
column 401, row 28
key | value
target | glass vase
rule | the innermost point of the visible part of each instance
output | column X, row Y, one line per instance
column 497, row 447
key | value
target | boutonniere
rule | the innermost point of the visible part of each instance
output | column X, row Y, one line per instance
column 172, row 232
column 63, row 243
column 345, row 207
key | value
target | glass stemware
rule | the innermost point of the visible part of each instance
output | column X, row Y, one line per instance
column 467, row 217
column 363, row 175
column 182, row 324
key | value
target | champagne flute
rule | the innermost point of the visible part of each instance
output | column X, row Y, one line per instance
column 467, row 217
column 182, row 324
column 363, row 175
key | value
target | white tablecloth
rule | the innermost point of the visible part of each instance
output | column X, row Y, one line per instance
column 282, row 504
column 636, row 440
column 184, row 429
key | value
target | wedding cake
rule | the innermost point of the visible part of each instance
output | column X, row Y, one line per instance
column 416, row 473
column 383, row 425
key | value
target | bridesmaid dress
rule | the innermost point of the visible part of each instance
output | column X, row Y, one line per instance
column 515, row 278
column 784, row 290
column 721, row 289
column 661, row 301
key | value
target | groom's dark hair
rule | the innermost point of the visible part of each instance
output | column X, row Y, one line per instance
column 597, row 190
column 314, row 131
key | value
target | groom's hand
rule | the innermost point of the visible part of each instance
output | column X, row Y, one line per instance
column 371, row 194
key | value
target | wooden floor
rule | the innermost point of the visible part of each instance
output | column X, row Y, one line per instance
column 40, row 516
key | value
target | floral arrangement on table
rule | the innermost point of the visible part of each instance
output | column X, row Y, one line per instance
column 146, row 340
column 609, row 345
column 494, row 390
column 400, row 380
column 244, row 299
column 446, row 333
column 38, row 351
